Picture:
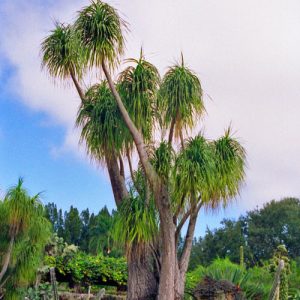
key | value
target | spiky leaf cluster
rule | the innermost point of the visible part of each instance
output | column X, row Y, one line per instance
column 230, row 160
column 212, row 170
column 163, row 160
column 194, row 170
column 180, row 98
column 138, row 87
column 100, row 29
column 62, row 53
column 103, row 128
column 136, row 221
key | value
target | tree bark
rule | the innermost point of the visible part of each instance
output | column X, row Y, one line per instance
column 168, row 247
column 142, row 282
column 183, row 261
column 171, row 133
column 77, row 86
column 6, row 259
column 117, row 181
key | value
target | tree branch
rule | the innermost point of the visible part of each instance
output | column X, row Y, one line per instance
column 137, row 137
column 179, row 208
column 181, row 223
column 129, row 163
column 122, row 172
column 117, row 181
column 186, row 252
column 171, row 133
column 77, row 85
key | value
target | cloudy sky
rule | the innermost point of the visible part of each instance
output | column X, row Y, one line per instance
column 246, row 54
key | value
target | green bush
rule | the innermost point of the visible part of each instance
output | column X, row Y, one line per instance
column 86, row 269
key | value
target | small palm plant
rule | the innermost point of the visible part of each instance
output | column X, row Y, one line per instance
column 23, row 238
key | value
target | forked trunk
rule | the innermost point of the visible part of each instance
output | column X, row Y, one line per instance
column 136, row 135
column 167, row 227
column 142, row 279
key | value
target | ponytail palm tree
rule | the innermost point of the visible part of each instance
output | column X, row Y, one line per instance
column 180, row 100
column 25, row 232
column 201, row 173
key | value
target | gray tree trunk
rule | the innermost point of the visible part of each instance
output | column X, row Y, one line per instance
column 142, row 282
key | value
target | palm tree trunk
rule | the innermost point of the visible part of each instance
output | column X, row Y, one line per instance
column 7, row 257
column 142, row 279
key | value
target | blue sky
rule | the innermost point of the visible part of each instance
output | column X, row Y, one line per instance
column 26, row 151
column 246, row 55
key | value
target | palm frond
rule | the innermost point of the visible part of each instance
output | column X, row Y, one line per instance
column 163, row 160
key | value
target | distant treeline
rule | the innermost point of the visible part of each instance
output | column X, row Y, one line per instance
column 91, row 232
column 259, row 231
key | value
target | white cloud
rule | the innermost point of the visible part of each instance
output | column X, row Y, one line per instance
column 245, row 52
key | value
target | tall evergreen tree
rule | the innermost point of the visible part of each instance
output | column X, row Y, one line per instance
column 73, row 226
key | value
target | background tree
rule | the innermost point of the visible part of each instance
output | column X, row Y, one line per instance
column 73, row 226
column 276, row 223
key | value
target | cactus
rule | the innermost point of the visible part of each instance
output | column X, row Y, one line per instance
column 275, row 291
column 281, row 255
column 284, row 288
